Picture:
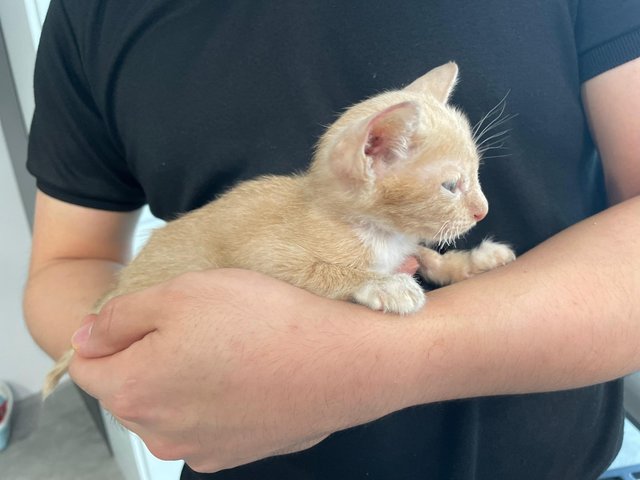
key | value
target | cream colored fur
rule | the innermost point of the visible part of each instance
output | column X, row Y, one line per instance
column 394, row 172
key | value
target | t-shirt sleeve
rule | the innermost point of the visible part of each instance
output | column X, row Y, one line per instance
column 73, row 153
column 607, row 34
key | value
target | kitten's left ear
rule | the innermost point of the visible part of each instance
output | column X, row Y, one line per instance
column 389, row 135
column 369, row 149
column 439, row 82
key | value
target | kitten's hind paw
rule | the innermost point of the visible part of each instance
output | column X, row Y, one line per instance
column 489, row 255
column 398, row 293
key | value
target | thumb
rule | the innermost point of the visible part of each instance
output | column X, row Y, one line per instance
column 116, row 327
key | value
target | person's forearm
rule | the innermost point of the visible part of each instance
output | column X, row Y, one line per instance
column 266, row 367
column 60, row 294
column 564, row 315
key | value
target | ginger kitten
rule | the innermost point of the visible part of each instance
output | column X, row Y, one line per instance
column 393, row 173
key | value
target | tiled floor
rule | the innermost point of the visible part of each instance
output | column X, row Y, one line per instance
column 59, row 441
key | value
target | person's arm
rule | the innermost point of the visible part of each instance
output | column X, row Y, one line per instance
column 567, row 313
column 75, row 253
column 225, row 367
column 612, row 102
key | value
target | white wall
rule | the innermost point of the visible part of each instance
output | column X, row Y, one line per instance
column 22, row 363
column 21, row 22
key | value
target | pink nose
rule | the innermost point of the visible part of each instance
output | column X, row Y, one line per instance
column 479, row 207
column 479, row 215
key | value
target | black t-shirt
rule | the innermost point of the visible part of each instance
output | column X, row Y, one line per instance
column 171, row 102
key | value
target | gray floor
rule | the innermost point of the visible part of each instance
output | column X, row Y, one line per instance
column 59, row 441
column 630, row 452
column 56, row 440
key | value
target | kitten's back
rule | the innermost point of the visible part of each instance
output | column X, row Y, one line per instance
column 274, row 225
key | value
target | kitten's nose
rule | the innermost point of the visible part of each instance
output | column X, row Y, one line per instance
column 479, row 215
column 480, row 209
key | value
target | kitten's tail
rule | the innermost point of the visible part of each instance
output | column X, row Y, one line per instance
column 56, row 373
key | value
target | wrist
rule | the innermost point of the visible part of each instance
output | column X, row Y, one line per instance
column 379, row 365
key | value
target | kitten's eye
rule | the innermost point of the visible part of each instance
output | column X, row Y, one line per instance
column 451, row 186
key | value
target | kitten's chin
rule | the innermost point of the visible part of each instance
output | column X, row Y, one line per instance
column 446, row 235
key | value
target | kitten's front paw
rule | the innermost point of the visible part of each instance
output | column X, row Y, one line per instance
column 489, row 255
column 397, row 293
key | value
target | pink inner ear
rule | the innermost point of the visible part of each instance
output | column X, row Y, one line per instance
column 389, row 134
column 375, row 144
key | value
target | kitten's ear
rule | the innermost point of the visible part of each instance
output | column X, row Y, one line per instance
column 439, row 82
column 366, row 151
column 389, row 135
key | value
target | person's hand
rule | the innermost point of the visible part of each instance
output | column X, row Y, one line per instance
column 224, row 367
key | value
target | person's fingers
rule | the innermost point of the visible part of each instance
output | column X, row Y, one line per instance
column 83, row 372
column 121, row 322
column 106, row 378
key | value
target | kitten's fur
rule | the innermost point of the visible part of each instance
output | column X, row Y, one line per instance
column 394, row 171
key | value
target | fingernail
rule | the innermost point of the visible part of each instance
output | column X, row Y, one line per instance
column 82, row 335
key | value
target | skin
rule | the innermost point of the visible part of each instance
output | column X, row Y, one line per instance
column 75, row 253
column 252, row 366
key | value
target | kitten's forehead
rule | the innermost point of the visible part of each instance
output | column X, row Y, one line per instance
column 449, row 168
column 433, row 113
column 447, row 144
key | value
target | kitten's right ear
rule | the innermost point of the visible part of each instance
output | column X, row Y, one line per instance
column 377, row 144
column 439, row 82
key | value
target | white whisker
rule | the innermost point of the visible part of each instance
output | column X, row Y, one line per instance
column 492, row 120
column 497, row 156
column 496, row 112
column 440, row 234
column 498, row 143
column 495, row 124
column 477, row 126
column 492, row 147
column 494, row 137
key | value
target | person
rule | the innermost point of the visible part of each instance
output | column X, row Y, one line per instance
column 512, row 374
